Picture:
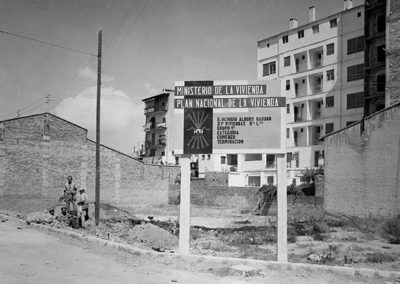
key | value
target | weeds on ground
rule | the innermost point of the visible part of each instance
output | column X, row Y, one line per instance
column 379, row 257
column 391, row 230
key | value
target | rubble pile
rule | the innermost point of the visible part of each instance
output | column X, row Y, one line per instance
column 42, row 217
column 153, row 236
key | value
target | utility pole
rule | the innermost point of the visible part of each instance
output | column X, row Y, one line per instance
column 97, row 185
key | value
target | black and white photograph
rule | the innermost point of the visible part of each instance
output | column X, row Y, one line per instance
column 200, row 141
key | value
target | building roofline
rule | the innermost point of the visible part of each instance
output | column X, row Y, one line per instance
column 358, row 122
column 43, row 113
column 308, row 24
column 112, row 149
column 152, row 97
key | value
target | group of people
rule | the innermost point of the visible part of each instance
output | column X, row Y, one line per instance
column 79, row 203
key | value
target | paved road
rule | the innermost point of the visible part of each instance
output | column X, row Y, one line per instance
column 32, row 256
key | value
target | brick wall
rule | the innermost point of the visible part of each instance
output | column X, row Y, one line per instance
column 362, row 171
column 38, row 152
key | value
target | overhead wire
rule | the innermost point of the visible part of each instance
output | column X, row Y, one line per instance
column 125, row 36
column 47, row 43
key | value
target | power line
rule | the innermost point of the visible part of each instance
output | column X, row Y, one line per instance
column 120, row 24
column 126, row 34
column 47, row 43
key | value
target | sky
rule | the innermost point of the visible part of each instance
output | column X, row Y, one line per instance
column 147, row 46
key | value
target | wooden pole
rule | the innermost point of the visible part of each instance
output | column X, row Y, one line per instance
column 97, row 185
column 282, row 208
column 184, row 207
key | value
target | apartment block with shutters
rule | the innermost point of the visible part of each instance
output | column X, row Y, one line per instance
column 321, row 68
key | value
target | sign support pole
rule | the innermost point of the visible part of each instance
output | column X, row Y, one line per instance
column 282, row 208
column 184, row 207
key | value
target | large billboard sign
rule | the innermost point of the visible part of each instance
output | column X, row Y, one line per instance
column 216, row 117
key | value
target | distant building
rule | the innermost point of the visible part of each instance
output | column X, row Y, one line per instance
column 321, row 68
column 392, row 52
column 156, row 150
column 375, row 55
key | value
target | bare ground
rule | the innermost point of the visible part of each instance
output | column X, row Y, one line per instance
column 338, row 241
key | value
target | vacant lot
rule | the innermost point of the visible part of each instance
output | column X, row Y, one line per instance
column 314, row 237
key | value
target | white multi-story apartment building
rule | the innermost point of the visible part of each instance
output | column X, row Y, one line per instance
column 321, row 68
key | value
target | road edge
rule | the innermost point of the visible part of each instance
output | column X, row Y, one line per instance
column 348, row 271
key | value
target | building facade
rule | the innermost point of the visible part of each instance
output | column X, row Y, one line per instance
column 321, row 68
column 375, row 55
column 392, row 52
column 156, row 150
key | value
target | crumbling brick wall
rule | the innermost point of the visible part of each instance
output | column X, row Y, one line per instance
column 362, row 167
column 38, row 152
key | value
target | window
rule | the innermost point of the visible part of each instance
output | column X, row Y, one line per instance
column 380, row 53
column 355, row 44
column 285, row 39
column 348, row 123
column 287, row 85
column 300, row 34
column 208, row 156
column 289, row 160
column 317, row 156
column 287, row 133
column 270, row 179
column 330, row 49
column 330, row 75
column 381, row 23
column 152, row 122
column 296, row 157
column 333, row 23
column 203, row 157
column 328, row 128
column 355, row 72
column 270, row 161
column 358, row 14
column 380, row 83
column 269, row 68
column 253, row 157
column 330, row 101
column 315, row 29
column 355, row 100
column 223, row 160
column 286, row 61
column 287, row 108
column 254, row 180
column 164, row 120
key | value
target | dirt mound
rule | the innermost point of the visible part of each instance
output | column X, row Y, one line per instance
column 153, row 236
column 43, row 217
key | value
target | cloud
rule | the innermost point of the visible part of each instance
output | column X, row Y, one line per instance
column 91, row 74
column 121, row 116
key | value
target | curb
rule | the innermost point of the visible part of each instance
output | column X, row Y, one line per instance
column 275, row 265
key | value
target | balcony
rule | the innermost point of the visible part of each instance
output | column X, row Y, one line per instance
column 316, row 58
column 300, row 62
column 300, row 86
column 156, row 108
column 298, row 113
column 147, row 127
column 162, row 125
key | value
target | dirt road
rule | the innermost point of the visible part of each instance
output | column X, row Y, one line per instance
column 31, row 256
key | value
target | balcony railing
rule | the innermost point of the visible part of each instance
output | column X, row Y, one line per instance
column 155, row 109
